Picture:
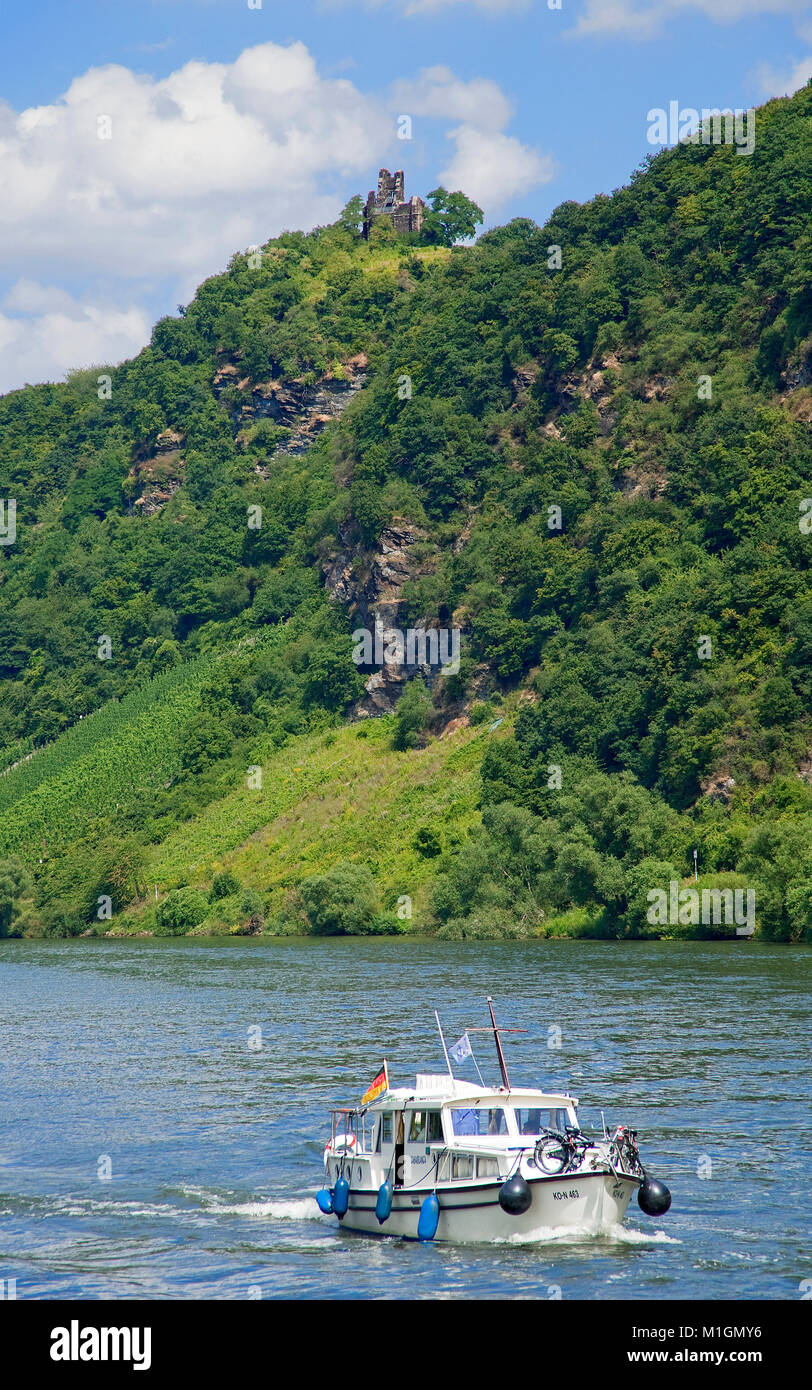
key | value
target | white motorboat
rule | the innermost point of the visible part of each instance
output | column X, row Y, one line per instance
column 449, row 1160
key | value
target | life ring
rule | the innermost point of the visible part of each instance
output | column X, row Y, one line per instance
column 344, row 1141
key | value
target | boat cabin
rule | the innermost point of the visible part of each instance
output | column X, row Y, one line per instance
column 447, row 1129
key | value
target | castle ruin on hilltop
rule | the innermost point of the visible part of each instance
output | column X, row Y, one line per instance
column 391, row 200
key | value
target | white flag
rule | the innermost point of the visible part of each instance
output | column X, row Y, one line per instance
column 461, row 1049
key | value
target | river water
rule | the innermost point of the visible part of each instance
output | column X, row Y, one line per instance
column 144, row 1060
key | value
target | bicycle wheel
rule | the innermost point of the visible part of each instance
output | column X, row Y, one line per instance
column 552, row 1155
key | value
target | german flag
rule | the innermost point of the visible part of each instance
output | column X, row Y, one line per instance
column 378, row 1087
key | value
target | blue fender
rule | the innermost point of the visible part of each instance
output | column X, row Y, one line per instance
column 341, row 1197
column 429, row 1218
column 383, row 1206
column 325, row 1201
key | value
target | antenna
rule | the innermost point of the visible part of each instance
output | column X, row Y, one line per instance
column 496, row 1030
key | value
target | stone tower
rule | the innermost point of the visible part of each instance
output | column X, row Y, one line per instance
column 391, row 199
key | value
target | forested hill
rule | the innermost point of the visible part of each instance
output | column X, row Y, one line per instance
column 586, row 446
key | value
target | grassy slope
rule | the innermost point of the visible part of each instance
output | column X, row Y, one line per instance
column 344, row 795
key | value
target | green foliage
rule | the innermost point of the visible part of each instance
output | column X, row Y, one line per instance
column 449, row 218
column 412, row 715
column 352, row 215
column 14, row 887
column 427, row 842
column 223, row 885
column 799, row 910
column 180, row 911
column 120, row 877
column 584, row 512
column 60, row 921
column 341, row 902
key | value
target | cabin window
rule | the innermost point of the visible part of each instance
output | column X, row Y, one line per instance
column 487, row 1167
column 462, row 1166
column 534, row 1120
column 426, row 1127
column 384, row 1130
column 417, row 1128
column 482, row 1122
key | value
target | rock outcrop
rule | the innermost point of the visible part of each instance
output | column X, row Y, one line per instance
column 152, row 481
column 302, row 407
column 370, row 585
column 719, row 787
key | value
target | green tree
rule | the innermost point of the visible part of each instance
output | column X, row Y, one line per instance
column 15, row 885
column 120, row 877
column 352, row 215
column 412, row 714
column 223, row 885
column 341, row 902
column 181, row 910
column 450, row 217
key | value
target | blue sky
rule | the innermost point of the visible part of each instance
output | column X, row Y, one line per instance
column 142, row 142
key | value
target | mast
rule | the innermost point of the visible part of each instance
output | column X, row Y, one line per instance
column 500, row 1054
column 496, row 1030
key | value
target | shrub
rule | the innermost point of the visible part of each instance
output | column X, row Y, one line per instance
column 251, row 903
column 412, row 715
column 62, row 921
column 341, row 902
column 14, row 884
column 223, row 885
column 383, row 924
column 427, row 842
column 120, row 878
column 491, row 924
column 180, row 911
column 799, row 911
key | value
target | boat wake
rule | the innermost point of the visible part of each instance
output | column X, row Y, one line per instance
column 83, row 1207
column 279, row 1209
column 574, row 1235
column 204, row 1203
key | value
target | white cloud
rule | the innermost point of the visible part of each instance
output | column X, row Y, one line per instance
column 488, row 165
column 49, row 331
column 492, row 167
column 775, row 83
column 643, row 19
column 207, row 161
column 438, row 92
column 210, row 159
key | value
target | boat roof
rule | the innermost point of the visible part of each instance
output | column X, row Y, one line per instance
column 446, row 1090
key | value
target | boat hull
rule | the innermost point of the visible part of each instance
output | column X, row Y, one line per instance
column 590, row 1204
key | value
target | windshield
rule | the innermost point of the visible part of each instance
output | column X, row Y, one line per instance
column 480, row 1121
column 533, row 1121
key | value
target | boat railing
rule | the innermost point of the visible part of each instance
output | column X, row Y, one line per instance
column 351, row 1124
